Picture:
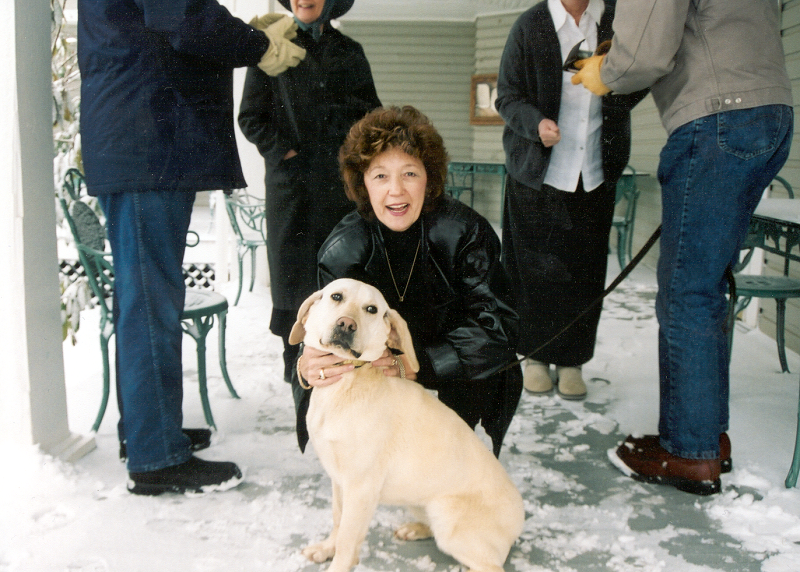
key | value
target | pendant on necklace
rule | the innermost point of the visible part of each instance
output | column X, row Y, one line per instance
column 408, row 281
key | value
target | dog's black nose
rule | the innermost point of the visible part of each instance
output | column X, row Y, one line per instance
column 346, row 324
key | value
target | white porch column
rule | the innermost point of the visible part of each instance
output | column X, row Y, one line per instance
column 33, row 407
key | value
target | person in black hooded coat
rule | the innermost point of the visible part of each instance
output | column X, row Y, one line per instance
column 298, row 120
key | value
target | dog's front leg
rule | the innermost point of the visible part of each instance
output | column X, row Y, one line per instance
column 359, row 501
column 324, row 550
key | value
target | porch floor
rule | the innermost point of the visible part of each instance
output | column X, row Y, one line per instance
column 582, row 514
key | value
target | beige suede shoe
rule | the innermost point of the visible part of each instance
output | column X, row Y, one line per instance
column 570, row 383
column 536, row 377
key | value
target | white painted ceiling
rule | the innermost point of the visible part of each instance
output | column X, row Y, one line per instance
column 449, row 10
column 432, row 9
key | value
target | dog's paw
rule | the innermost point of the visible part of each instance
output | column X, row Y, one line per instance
column 320, row 552
column 413, row 531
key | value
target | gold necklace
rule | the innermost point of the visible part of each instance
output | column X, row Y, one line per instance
column 396, row 289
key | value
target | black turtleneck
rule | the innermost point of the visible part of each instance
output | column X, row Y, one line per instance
column 416, row 308
column 401, row 248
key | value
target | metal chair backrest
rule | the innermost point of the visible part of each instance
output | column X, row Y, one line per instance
column 88, row 233
column 460, row 179
column 628, row 191
column 784, row 183
column 250, row 211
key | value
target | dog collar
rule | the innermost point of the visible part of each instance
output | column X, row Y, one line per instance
column 355, row 362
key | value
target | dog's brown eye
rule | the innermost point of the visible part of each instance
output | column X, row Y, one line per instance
column 336, row 297
column 372, row 309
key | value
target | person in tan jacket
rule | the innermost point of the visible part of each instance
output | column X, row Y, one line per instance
column 726, row 104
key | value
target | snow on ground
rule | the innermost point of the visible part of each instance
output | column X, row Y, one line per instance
column 582, row 514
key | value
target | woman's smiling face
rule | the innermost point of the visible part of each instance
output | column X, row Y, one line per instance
column 396, row 184
column 307, row 11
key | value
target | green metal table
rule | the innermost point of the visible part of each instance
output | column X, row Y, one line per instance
column 775, row 228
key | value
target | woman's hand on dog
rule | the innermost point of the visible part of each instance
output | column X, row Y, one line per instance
column 390, row 365
column 319, row 368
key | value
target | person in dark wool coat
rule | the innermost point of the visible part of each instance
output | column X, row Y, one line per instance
column 298, row 120
column 156, row 127
column 565, row 151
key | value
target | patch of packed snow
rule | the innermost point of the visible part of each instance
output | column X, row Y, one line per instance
column 582, row 513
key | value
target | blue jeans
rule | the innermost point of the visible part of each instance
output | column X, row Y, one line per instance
column 147, row 232
column 712, row 172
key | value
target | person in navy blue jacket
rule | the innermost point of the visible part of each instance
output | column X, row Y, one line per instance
column 156, row 127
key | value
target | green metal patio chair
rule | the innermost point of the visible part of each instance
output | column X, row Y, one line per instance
column 780, row 288
column 199, row 312
column 249, row 222
column 460, row 180
column 623, row 223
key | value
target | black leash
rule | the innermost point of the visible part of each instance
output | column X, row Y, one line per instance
column 616, row 282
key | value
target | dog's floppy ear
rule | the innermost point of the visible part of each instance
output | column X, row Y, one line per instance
column 299, row 330
column 400, row 338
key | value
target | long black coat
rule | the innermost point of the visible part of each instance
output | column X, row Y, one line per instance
column 457, row 308
column 529, row 90
column 555, row 243
column 157, row 93
column 308, row 108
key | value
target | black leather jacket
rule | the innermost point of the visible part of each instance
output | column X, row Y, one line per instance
column 457, row 307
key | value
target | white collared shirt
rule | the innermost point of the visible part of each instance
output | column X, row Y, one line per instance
column 580, row 117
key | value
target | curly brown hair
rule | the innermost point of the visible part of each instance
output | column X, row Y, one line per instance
column 383, row 129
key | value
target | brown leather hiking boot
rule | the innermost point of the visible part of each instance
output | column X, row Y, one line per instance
column 644, row 459
column 726, row 464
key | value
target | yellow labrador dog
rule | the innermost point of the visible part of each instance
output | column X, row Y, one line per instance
column 386, row 440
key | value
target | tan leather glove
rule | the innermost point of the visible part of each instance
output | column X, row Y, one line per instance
column 264, row 22
column 589, row 70
column 603, row 48
column 589, row 75
column 282, row 53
